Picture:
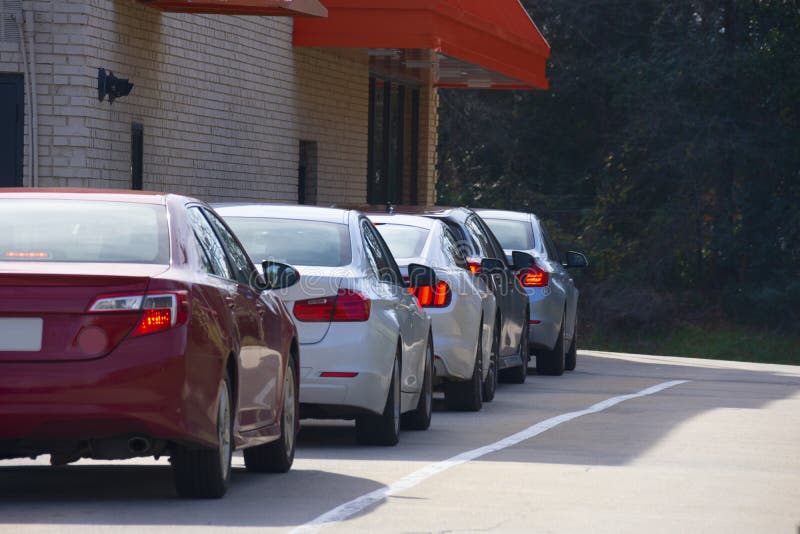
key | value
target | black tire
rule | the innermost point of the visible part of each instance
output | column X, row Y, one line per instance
column 571, row 358
column 278, row 456
column 420, row 417
column 383, row 429
column 518, row 374
column 490, row 384
column 204, row 473
column 553, row 362
column 467, row 396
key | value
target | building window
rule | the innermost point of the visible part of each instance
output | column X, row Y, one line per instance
column 137, row 156
column 389, row 115
column 307, row 173
column 12, row 133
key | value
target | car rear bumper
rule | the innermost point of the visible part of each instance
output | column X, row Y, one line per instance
column 545, row 318
column 146, row 387
column 348, row 348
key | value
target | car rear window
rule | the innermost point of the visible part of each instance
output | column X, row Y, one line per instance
column 513, row 235
column 297, row 242
column 404, row 241
column 83, row 231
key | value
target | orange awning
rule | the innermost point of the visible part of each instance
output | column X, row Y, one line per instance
column 456, row 43
column 285, row 8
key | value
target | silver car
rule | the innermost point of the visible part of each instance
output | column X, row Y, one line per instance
column 553, row 333
column 366, row 344
column 461, row 307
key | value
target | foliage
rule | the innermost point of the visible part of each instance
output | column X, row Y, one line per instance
column 668, row 148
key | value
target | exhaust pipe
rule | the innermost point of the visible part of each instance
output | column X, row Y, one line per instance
column 139, row 445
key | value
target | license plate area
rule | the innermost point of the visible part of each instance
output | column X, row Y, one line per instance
column 21, row 334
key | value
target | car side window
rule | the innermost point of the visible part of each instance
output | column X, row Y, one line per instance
column 379, row 259
column 552, row 250
column 394, row 270
column 452, row 250
column 482, row 242
column 209, row 243
column 238, row 258
column 208, row 266
column 462, row 240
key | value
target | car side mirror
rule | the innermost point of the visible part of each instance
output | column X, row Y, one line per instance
column 492, row 266
column 522, row 260
column 421, row 276
column 279, row 275
column 575, row 260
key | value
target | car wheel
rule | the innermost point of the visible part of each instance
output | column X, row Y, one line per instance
column 278, row 456
column 467, row 396
column 383, row 429
column 490, row 384
column 552, row 362
column 571, row 359
column 420, row 417
column 518, row 374
column 202, row 472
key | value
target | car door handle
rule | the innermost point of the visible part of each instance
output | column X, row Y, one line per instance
column 261, row 309
column 231, row 302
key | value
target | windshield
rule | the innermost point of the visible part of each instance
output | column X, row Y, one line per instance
column 513, row 235
column 83, row 231
column 297, row 242
column 404, row 241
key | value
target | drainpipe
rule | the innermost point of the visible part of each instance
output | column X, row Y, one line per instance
column 29, row 24
column 27, row 97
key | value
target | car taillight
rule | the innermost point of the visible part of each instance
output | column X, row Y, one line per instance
column 533, row 277
column 474, row 266
column 432, row 297
column 346, row 306
column 160, row 311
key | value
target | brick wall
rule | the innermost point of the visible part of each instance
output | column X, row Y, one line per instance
column 223, row 100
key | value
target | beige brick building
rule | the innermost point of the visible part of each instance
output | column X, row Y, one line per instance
column 321, row 104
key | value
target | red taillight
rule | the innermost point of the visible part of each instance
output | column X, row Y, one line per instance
column 160, row 311
column 154, row 321
column 533, row 277
column 314, row 310
column 346, row 306
column 474, row 266
column 429, row 297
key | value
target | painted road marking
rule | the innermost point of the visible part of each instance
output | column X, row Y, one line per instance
column 351, row 508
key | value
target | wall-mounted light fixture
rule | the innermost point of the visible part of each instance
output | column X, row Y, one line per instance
column 108, row 84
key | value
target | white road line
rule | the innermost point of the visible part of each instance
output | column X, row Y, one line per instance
column 351, row 508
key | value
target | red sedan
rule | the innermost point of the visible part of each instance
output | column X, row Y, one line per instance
column 132, row 324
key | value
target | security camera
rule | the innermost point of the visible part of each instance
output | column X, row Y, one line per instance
column 108, row 84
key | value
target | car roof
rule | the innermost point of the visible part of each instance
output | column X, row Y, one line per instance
column 406, row 220
column 503, row 214
column 424, row 211
column 283, row 211
column 76, row 193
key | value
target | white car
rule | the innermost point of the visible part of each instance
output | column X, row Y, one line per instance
column 366, row 345
column 461, row 306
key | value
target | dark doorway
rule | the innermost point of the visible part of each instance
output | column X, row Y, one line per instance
column 307, row 173
column 137, row 156
column 12, row 122
column 388, row 149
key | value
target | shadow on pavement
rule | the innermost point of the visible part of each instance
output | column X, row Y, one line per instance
column 123, row 494
column 128, row 494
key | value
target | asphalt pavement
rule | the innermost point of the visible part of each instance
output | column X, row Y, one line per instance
column 624, row 443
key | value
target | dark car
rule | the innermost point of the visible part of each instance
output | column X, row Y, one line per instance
column 130, row 326
column 486, row 259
